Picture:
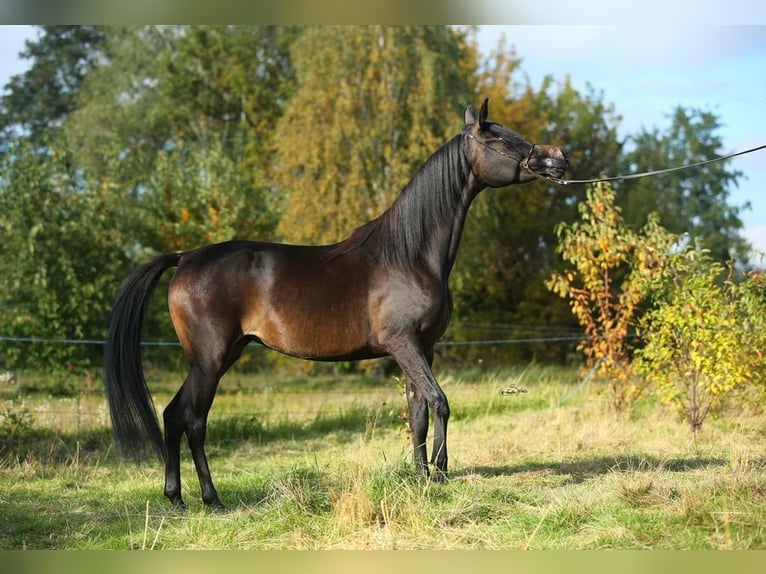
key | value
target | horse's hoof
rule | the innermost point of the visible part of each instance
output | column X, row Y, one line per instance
column 216, row 506
column 439, row 476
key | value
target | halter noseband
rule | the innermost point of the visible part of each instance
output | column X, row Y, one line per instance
column 523, row 162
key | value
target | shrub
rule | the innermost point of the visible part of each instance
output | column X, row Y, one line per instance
column 611, row 269
column 752, row 296
column 697, row 340
column 15, row 420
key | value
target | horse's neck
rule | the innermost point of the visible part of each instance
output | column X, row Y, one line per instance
column 424, row 226
column 443, row 232
column 450, row 244
column 436, row 207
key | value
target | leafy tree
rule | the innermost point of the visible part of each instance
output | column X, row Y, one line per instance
column 509, row 239
column 610, row 267
column 693, row 201
column 162, row 146
column 505, row 284
column 697, row 348
column 171, row 99
column 372, row 103
column 63, row 248
column 227, row 85
column 199, row 196
column 168, row 137
column 42, row 97
column 180, row 120
column 751, row 292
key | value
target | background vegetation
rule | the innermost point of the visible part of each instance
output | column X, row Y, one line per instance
column 122, row 142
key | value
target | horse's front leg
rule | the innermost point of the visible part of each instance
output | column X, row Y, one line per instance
column 424, row 392
column 417, row 410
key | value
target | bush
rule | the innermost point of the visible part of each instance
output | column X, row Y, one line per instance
column 698, row 337
column 15, row 420
column 611, row 268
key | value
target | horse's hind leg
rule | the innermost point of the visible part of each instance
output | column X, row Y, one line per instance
column 174, row 430
column 202, row 399
column 187, row 412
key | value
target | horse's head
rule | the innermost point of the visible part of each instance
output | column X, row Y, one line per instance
column 499, row 157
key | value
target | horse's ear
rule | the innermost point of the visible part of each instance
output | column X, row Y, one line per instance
column 483, row 112
column 469, row 117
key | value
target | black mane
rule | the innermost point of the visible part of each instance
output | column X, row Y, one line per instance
column 430, row 199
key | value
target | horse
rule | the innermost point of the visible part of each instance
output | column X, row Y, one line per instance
column 382, row 291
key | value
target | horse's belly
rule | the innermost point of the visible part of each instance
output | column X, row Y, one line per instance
column 325, row 337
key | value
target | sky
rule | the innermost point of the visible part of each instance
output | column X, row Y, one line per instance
column 645, row 71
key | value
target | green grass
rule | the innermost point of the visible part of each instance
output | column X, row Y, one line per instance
column 325, row 463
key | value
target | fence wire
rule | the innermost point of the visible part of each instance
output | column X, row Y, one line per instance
column 85, row 416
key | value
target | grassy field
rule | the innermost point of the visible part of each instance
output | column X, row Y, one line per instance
column 325, row 463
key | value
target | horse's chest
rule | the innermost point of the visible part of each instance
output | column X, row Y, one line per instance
column 424, row 309
column 437, row 318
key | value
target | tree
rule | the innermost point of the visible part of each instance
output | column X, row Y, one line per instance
column 228, row 85
column 63, row 251
column 204, row 100
column 372, row 103
column 509, row 238
column 698, row 347
column 162, row 146
column 199, row 196
column 693, row 201
column 751, row 293
column 193, row 134
column 43, row 96
column 180, row 121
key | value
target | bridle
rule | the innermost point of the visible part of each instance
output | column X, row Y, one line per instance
column 524, row 163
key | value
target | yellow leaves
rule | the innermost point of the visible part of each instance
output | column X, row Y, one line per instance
column 213, row 215
column 212, row 222
column 372, row 103
column 605, row 303
column 697, row 344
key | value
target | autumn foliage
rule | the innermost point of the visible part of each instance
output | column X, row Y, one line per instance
column 610, row 266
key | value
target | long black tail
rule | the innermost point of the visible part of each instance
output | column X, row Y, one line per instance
column 134, row 418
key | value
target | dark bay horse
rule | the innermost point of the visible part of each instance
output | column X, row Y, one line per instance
column 382, row 291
